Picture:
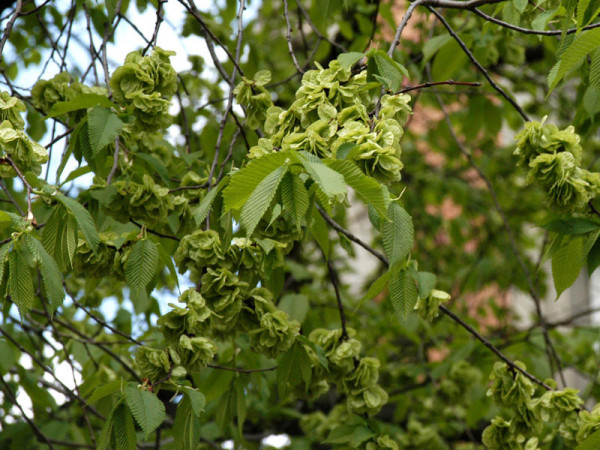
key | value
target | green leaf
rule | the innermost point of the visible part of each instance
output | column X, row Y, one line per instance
column 186, row 427
column 567, row 261
column 377, row 286
column 50, row 274
column 3, row 253
column 82, row 101
column 403, row 291
column 20, row 282
column 197, row 400
column 103, row 128
column 148, row 410
column 80, row 171
column 384, row 69
column 123, row 430
column 593, row 258
column 520, row 5
column 240, row 402
column 425, row 283
column 581, row 46
column 83, row 218
column 397, row 234
column 294, row 305
column 288, row 374
column 244, row 182
column 156, row 165
column 431, row 46
column 294, row 197
column 140, row 270
column 201, row 212
column 592, row 442
column 347, row 60
column 572, row 226
column 260, row 199
column 330, row 182
column 104, row 390
column 104, row 440
column 53, row 237
column 320, row 231
column 367, row 188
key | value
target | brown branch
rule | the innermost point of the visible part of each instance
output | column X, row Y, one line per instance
column 437, row 83
column 445, row 310
column 11, row 398
column 288, row 37
column 335, row 281
column 528, row 30
column 477, row 64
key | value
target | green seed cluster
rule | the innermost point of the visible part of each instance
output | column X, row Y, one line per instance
column 554, row 158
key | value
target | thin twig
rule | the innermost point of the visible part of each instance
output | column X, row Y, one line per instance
column 288, row 37
column 12, row 399
column 528, row 30
column 159, row 20
column 335, row 281
column 438, row 83
column 482, row 69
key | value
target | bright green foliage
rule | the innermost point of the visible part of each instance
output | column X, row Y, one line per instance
column 195, row 271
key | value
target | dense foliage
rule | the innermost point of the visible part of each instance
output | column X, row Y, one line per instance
column 177, row 266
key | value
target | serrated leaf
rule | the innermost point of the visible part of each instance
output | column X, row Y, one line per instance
column 581, row 8
column 377, row 286
column 367, row 188
column 520, row 5
column 330, row 182
column 123, row 430
column 425, row 283
column 294, row 197
column 383, row 68
column 432, row 45
column 50, row 274
column 186, row 427
column 158, row 167
column 288, row 374
column 595, row 70
column 3, row 254
column 240, row 402
column 567, row 261
column 20, row 282
column 140, row 270
column 258, row 202
column 403, row 292
column 320, row 231
column 103, row 128
column 104, row 439
column 347, row 60
column 147, row 409
column 572, row 226
column 397, row 234
column 592, row 442
column 244, row 182
column 82, row 101
column 197, row 400
column 53, row 237
column 593, row 258
column 104, row 390
column 84, row 220
column 294, row 305
column 201, row 212
column 582, row 45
